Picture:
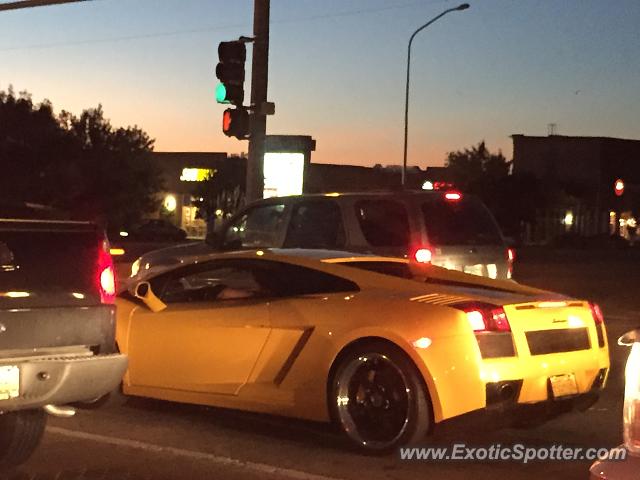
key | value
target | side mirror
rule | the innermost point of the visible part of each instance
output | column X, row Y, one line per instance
column 144, row 292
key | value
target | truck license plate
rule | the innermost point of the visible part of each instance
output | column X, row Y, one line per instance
column 9, row 382
column 563, row 385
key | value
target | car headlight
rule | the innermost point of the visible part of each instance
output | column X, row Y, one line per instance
column 135, row 268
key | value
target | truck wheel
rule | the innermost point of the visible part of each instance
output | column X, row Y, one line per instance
column 20, row 434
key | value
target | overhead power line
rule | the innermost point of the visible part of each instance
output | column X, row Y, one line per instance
column 143, row 36
column 34, row 3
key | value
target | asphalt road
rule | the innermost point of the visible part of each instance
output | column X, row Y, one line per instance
column 144, row 439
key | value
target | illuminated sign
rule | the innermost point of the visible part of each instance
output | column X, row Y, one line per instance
column 283, row 174
column 195, row 174
column 170, row 203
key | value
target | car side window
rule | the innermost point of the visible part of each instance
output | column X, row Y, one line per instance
column 287, row 280
column 316, row 224
column 260, row 227
column 384, row 223
column 243, row 279
column 213, row 281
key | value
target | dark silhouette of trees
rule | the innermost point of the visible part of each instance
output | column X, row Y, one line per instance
column 513, row 199
column 221, row 190
column 82, row 165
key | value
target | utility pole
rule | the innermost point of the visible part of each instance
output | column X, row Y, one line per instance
column 259, row 76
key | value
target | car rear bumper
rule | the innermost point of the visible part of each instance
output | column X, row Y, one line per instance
column 61, row 380
column 532, row 374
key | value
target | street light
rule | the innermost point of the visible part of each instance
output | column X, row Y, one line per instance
column 463, row 6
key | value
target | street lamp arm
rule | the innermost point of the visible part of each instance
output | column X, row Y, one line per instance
column 429, row 23
column 463, row 6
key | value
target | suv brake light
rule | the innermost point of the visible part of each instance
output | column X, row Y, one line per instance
column 596, row 312
column 453, row 196
column 511, row 257
column 106, row 275
column 423, row 255
column 486, row 318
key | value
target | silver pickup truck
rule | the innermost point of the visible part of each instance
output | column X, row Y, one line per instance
column 57, row 326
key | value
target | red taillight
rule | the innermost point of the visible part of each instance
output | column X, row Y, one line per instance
column 423, row 255
column 453, row 196
column 106, row 275
column 596, row 312
column 511, row 256
column 486, row 318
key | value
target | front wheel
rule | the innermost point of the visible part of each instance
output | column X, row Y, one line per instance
column 20, row 434
column 379, row 400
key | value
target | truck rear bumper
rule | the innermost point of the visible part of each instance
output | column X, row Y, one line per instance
column 51, row 380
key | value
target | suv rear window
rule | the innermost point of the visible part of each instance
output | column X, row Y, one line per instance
column 459, row 222
column 384, row 223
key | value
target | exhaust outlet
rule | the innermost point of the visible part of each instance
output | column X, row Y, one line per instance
column 59, row 411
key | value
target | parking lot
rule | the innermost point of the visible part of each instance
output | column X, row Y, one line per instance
column 162, row 440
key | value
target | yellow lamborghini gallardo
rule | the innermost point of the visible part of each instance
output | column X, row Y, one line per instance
column 383, row 348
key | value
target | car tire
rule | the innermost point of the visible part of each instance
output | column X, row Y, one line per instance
column 378, row 399
column 20, row 434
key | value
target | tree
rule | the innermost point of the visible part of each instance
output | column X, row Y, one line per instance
column 120, row 180
column 221, row 191
column 36, row 153
column 80, row 164
column 475, row 168
column 513, row 199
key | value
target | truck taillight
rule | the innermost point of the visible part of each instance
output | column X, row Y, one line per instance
column 106, row 275
column 486, row 318
column 631, row 416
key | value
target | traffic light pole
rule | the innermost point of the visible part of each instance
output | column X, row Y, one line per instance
column 259, row 76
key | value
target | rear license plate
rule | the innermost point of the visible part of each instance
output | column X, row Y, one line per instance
column 474, row 269
column 563, row 385
column 9, row 382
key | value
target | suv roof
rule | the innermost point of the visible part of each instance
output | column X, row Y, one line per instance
column 376, row 193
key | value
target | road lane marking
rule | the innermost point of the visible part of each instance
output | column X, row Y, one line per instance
column 261, row 468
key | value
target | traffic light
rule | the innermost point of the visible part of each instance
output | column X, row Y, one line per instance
column 230, row 71
column 235, row 123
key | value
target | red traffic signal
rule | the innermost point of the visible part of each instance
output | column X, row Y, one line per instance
column 235, row 123
column 618, row 187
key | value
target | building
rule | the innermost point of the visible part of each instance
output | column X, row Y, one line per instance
column 585, row 170
column 181, row 172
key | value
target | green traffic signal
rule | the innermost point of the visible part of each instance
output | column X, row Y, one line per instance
column 221, row 93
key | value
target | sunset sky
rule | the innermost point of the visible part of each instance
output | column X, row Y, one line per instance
column 337, row 70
